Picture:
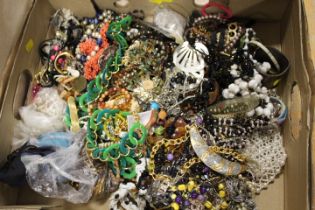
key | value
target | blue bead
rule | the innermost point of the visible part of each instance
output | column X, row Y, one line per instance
column 155, row 105
column 83, row 58
column 99, row 42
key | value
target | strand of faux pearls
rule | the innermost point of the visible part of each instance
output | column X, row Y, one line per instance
column 252, row 87
column 93, row 27
column 247, row 39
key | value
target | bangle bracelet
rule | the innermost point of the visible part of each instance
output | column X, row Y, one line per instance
column 267, row 51
column 282, row 113
column 227, row 10
column 61, row 62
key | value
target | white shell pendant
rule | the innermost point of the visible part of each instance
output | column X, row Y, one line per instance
column 190, row 60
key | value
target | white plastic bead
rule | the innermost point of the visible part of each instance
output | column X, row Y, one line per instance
column 231, row 95
column 245, row 93
column 88, row 57
column 250, row 113
column 263, row 69
column 270, row 106
column 96, row 48
column 78, row 56
column 267, row 112
column 233, row 88
column 264, row 90
column 238, row 81
column 266, row 65
column 93, row 53
column 234, row 67
column 243, row 85
column 252, row 84
column 258, row 77
column 234, row 73
column 225, row 93
column 259, row 111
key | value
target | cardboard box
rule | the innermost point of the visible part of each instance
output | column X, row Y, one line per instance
column 280, row 24
column 12, row 21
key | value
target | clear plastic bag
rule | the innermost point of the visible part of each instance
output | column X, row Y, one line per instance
column 170, row 22
column 45, row 114
column 64, row 174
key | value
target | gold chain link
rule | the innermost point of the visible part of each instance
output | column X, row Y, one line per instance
column 228, row 151
column 168, row 143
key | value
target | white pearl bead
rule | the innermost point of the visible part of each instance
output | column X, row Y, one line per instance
column 245, row 93
column 234, row 66
column 258, row 77
column 231, row 95
column 266, row 65
column 250, row 113
column 263, row 69
column 270, row 106
column 234, row 73
column 225, row 93
column 88, row 57
column 243, row 85
column 267, row 112
column 88, row 31
column 238, row 81
column 96, row 48
column 264, row 90
column 93, row 53
column 259, row 111
column 267, row 99
column 233, row 88
column 78, row 56
column 252, row 84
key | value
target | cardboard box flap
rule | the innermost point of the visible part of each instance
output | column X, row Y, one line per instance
column 12, row 21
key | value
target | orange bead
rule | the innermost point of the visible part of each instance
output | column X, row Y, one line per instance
column 162, row 115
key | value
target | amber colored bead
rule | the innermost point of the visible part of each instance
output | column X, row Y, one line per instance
column 180, row 123
column 181, row 131
column 169, row 122
column 162, row 115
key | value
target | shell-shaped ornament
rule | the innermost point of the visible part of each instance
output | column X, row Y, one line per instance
column 190, row 60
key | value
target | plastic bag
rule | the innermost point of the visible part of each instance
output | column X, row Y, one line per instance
column 53, row 139
column 45, row 114
column 63, row 174
column 170, row 21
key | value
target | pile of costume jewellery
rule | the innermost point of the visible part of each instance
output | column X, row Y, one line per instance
column 179, row 113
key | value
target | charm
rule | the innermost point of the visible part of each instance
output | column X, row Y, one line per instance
column 212, row 159
column 190, row 60
column 237, row 106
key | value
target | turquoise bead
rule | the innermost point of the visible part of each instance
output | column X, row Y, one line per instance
column 155, row 105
